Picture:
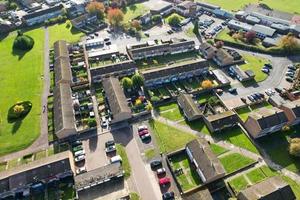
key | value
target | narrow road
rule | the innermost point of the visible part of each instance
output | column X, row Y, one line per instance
column 42, row 142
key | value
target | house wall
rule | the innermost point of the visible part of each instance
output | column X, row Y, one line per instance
column 42, row 18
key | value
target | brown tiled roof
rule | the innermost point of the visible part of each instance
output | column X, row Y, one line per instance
column 273, row 188
column 111, row 68
column 60, row 49
column 62, row 69
column 203, row 194
column 188, row 105
column 222, row 119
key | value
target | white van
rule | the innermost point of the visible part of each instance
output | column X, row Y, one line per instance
column 115, row 159
column 78, row 153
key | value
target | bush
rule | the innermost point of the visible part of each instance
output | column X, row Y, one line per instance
column 174, row 20
column 156, row 18
column 206, row 84
column 155, row 99
column 294, row 148
column 19, row 110
column 91, row 122
column 23, row 42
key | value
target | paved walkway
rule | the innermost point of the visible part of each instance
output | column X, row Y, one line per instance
column 42, row 142
column 264, row 158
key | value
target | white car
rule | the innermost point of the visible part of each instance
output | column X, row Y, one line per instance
column 142, row 127
column 79, row 153
column 115, row 159
column 81, row 170
column 160, row 171
column 79, row 158
column 111, row 148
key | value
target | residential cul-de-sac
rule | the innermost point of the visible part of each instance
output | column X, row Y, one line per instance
column 149, row 100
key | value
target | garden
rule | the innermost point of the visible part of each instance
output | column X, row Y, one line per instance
column 78, row 67
column 233, row 162
column 245, row 111
column 21, row 74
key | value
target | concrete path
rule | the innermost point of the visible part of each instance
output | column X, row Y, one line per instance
column 42, row 142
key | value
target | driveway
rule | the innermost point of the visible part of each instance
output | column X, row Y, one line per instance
column 141, row 174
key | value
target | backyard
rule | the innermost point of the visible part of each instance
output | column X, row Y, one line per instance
column 64, row 31
column 133, row 11
column 234, row 5
column 234, row 161
column 245, row 111
column 21, row 80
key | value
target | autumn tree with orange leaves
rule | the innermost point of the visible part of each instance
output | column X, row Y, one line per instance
column 97, row 8
column 115, row 16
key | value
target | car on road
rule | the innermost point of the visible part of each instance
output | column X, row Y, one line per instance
column 232, row 91
column 168, row 195
column 146, row 136
column 160, row 171
column 79, row 153
column 80, row 170
column 79, row 158
column 288, row 79
column 155, row 164
column 109, row 143
column 164, row 181
column 110, row 149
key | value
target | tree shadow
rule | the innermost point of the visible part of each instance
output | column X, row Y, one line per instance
column 19, row 53
column 16, row 126
column 132, row 8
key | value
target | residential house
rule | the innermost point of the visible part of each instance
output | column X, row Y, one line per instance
column 31, row 4
column 268, row 20
column 252, row 20
column 223, row 14
column 223, row 58
column 146, row 18
column 175, row 72
column 116, row 100
column 202, row 194
column 159, row 48
column 103, row 52
column 41, row 16
column 240, row 74
column 236, row 25
column 220, row 76
column 271, row 42
column 161, row 7
column 281, row 28
column 292, row 111
column 208, row 51
column 263, row 31
column 187, row 8
column 189, row 107
column 61, row 50
column 208, row 166
column 221, row 121
column 207, row 6
column 265, row 121
column 295, row 29
column 83, row 20
column 119, row 69
column 274, row 188
column 21, row 181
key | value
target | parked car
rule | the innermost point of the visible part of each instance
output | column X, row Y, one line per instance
column 110, row 149
column 106, row 39
column 146, row 34
column 79, row 153
column 290, row 75
column 250, row 98
column 143, row 132
column 168, row 195
column 155, row 164
column 265, row 70
column 115, row 159
column 161, row 171
column 77, row 148
column 279, row 90
column 268, row 65
column 219, row 91
column 164, row 181
column 270, row 92
column 79, row 158
column 292, row 67
column 142, row 127
column 81, row 170
column 146, row 136
column 232, row 90
column 288, row 79
column 109, row 143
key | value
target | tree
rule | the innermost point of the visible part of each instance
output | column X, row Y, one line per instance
column 289, row 43
column 149, row 106
column 219, row 44
column 250, row 36
column 23, row 42
column 91, row 122
column 96, row 8
column 294, row 148
column 115, row 16
column 196, row 28
column 136, row 24
column 18, row 109
column 156, row 18
column 137, row 80
column 126, row 83
column 206, row 84
column 174, row 20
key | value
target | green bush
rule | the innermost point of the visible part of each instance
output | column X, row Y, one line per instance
column 92, row 122
column 25, row 106
column 155, row 99
column 23, row 42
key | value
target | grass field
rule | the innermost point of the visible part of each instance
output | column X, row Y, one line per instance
column 217, row 150
column 244, row 112
column 150, row 153
column 173, row 114
column 20, row 80
column 169, row 138
column 234, row 161
column 63, row 31
column 133, row 11
column 292, row 6
column 255, row 64
column 125, row 163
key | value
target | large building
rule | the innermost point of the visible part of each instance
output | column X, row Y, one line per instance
column 116, row 100
column 221, row 121
column 208, row 166
column 159, row 48
column 292, row 111
column 41, row 16
column 265, row 121
column 175, row 72
column 189, row 107
column 273, row 188
column 22, row 181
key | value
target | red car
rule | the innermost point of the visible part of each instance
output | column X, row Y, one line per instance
column 164, row 181
column 143, row 132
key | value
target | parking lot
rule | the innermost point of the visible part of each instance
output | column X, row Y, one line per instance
column 209, row 24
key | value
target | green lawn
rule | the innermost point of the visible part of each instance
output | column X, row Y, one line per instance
column 173, row 114
column 292, row 6
column 134, row 196
column 239, row 183
column 125, row 163
column 234, row 161
column 169, row 138
column 64, row 31
column 133, row 11
column 20, row 78
column 244, row 112
column 217, row 150
column 255, row 64
column 235, row 135
column 166, row 107
column 150, row 153
column 276, row 146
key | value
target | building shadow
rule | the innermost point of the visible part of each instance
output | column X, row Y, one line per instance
column 3, row 36
column 93, row 143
